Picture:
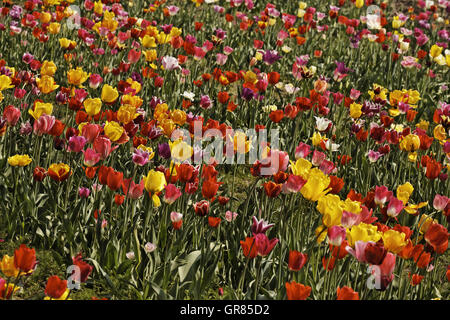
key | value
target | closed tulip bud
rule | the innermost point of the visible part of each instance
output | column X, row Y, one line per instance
column 39, row 174
column 201, row 208
column 336, row 235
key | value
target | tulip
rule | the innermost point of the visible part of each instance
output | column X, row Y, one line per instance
column 114, row 180
column 25, row 259
column 76, row 143
column 394, row 207
column 83, row 192
column 56, row 288
column 12, row 115
column 109, row 94
column 95, row 80
column 91, row 157
column 297, row 291
column 43, row 124
column 440, row 202
column 347, row 293
column 140, row 157
column 59, row 172
column 260, row 226
column 201, row 208
column 85, row 268
column 336, row 235
column 172, row 193
column 249, row 247
column 297, row 260
column 382, row 194
column 90, row 131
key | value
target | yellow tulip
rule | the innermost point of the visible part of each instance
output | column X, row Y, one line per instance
column 404, row 191
column 155, row 182
column 46, row 84
column 394, row 241
column 413, row 208
column 54, row 28
column 92, row 106
column 359, row 3
column 126, row 113
column 355, row 110
column 109, row 94
column 321, row 233
column 149, row 42
column 301, row 168
column 439, row 132
column 19, row 160
column 5, row 82
column 363, row 232
column 48, row 68
column 425, row 222
column 330, row 206
column 410, row 143
column 178, row 116
column 435, row 51
column 77, row 76
column 250, row 77
column 316, row 186
column 113, row 130
column 180, row 150
column 7, row 266
column 316, row 139
column 40, row 109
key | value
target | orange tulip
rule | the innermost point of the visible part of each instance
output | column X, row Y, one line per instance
column 297, row 291
column 347, row 293
column 24, row 258
column 249, row 247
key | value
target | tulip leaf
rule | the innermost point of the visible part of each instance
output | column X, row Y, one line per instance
column 191, row 258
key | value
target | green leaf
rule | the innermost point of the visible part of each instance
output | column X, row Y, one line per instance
column 191, row 258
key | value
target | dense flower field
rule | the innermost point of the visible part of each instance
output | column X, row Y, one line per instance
column 238, row 149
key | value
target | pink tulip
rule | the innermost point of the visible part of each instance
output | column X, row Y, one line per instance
column 140, row 157
column 12, row 115
column 336, row 235
column 102, row 145
column 230, row 216
column 133, row 190
column 293, row 184
column 76, row 143
column 359, row 251
column 317, row 158
column 350, row 219
column 90, row 131
column 354, row 94
column 440, row 202
column 384, row 273
column 172, row 193
column 170, row 63
column 327, row 166
column 263, row 245
column 260, row 226
column 91, row 157
column 374, row 156
column 382, row 194
column 302, row 150
column 83, row 192
column 133, row 56
column 43, row 125
column 175, row 216
column 221, row 59
column 19, row 93
column 95, row 80
column 394, row 207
